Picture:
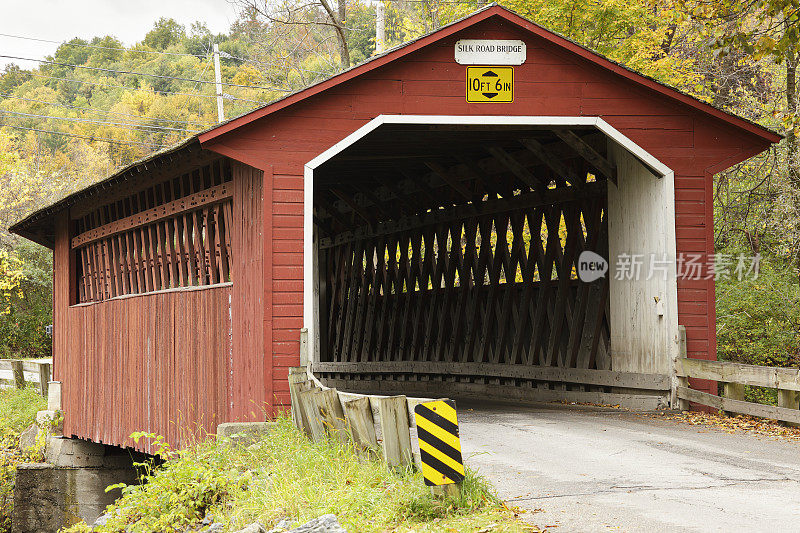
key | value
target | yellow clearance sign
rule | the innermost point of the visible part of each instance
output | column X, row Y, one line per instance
column 490, row 84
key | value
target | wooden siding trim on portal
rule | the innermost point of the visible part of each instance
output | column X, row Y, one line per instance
column 245, row 381
column 267, row 289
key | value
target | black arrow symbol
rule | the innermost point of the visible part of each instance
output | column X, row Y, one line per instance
column 491, row 74
column 489, row 95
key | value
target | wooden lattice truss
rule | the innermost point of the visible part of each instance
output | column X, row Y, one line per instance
column 462, row 249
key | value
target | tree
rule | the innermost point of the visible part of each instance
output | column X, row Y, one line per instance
column 763, row 29
column 12, row 78
column 315, row 14
column 164, row 34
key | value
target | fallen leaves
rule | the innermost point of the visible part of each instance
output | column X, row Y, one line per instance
column 733, row 424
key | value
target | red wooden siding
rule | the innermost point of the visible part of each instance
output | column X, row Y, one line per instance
column 152, row 362
column 174, row 362
column 553, row 81
column 247, row 301
column 287, row 280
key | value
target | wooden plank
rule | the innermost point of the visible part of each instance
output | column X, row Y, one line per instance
column 737, row 406
column 19, row 376
column 200, row 199
column 211, row 246
column 358, row 414
column 227, row 208
column 182, row 259
column 445, row 176
column 789, row 399
column 680, row 381
column 325, row 414
column 733, row 391
column 489, row 391
column 299, row 382
column 463, row 212
column 44, row 378
column 588, row 153
column 191, row 257
column 395, row 431
column 199, row 247
column 519, row 170
column 758, row 376
column 174, row 272
column 163, row 255
column 608, row 378
column 555, row 164
column 155, row 257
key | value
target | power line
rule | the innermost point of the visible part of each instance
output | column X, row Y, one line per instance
column 86, row 45
column 223, row 54
column 159, row 76
column 135, row 88
column 226, row 55
column 98, row 110
column 89, row 121
column 103, row 139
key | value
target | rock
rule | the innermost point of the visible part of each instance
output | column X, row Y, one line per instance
column 216, row 526
column 282, row 527
column 326, row 523
column 244, row 433
column 255, row 527
column 101, row 520
column 27, row 440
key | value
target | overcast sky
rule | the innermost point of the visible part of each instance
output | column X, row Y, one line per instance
column 128, row 20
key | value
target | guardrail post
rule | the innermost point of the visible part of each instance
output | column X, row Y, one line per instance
column 393, row 416
column 305, row 357
column 19, row 374
column 733, row 391
column 44, row 378
column 681, row 381
column 789, row 399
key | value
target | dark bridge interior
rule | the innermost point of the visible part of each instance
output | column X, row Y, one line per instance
column 450, row 253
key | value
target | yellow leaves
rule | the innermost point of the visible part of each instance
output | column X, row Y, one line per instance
column 765, row 45
column 733, row 424
column 139, row 101
column 11, row 277
column 248, row 75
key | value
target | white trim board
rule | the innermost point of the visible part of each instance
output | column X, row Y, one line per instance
column 614, row 134
column 310, row 281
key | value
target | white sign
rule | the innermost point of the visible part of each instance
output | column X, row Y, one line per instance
column 490, row 52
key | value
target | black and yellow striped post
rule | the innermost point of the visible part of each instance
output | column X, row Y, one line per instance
column 439, row 445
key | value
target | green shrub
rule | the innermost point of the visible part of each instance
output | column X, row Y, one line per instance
column 17, row 411
column 758, row 320
column 286, row 476
column 27, row 308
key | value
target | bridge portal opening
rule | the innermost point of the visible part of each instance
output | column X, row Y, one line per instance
column 479, row 258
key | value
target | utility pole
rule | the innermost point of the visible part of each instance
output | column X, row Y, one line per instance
column 218, row 81
column 380, row 27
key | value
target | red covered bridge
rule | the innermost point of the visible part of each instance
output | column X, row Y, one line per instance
column 429, row 243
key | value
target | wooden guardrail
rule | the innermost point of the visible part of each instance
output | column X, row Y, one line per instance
column 19, row 372
column 734, row 377
column 381, row 424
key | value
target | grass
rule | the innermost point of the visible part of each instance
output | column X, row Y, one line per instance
column 17, row 411
column 286, row 476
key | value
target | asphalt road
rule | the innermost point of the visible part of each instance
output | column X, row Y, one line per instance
column 587, row 469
